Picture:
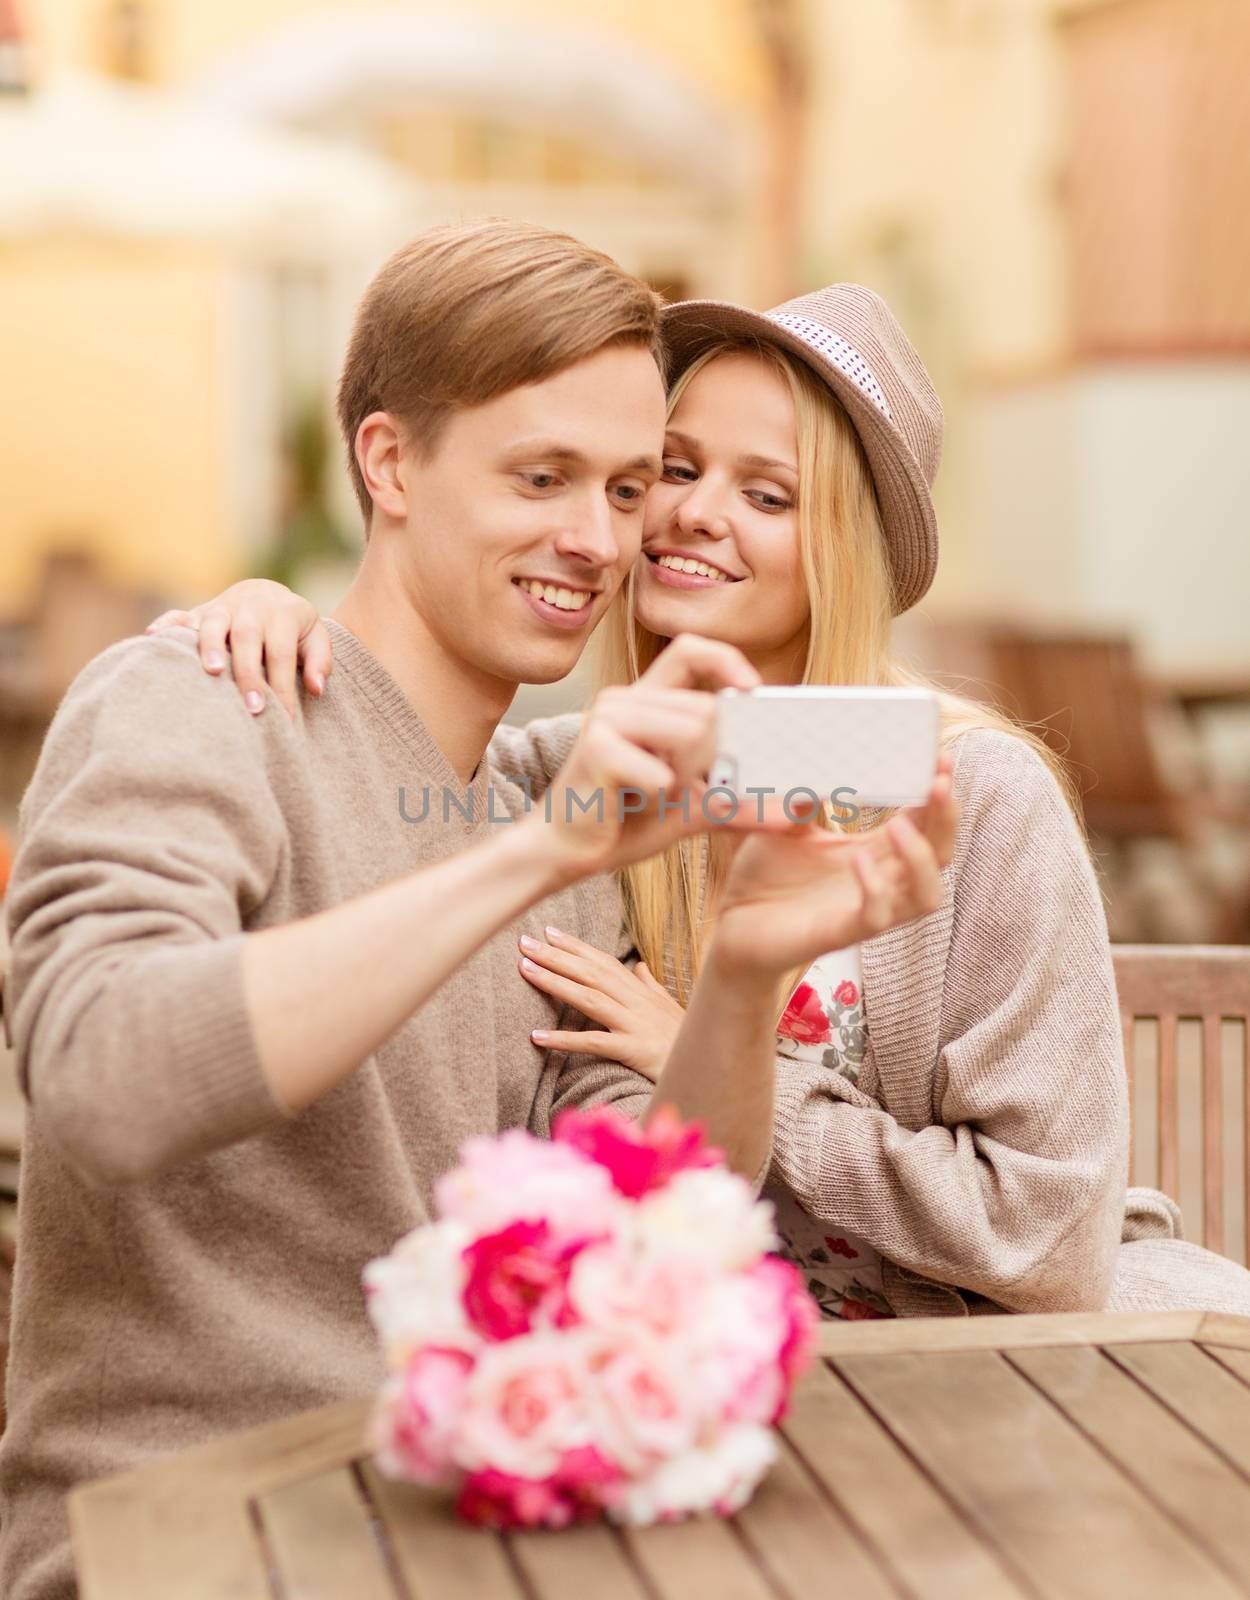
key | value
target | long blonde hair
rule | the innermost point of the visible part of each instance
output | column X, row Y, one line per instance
column 846, row 571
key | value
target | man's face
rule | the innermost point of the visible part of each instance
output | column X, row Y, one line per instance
column 527, row 516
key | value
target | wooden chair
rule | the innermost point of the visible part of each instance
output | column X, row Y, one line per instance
column 1139, row 770
column 1209, row 984
column 1100, row 713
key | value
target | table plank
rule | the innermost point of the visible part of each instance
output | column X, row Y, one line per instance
column 896, row 1335
column 1237, row 1361
column 1199, row 1389
column 916, row 1533
column 436, row 1555
column 1219, row 1329
column 700, row 1557
column 211, row 1546
column 590, row 1559
column 1167, row 1460
column 1070, row 1524
column 800, row 1539
column 320, row 1540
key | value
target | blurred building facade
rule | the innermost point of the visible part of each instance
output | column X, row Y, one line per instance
column 151, row 374
column 1052, row 194
column 1055, row 195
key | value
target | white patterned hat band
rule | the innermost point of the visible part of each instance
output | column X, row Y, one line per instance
column 839, row 351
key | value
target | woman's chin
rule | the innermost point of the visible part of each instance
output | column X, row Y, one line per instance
column 671, row 617
column 670, row 611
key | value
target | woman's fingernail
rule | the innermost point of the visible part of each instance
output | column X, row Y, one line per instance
column 553, row 933
column 254, row 701
column 540, row 1033
column 527, row 943
column 318, row 683
column 528, row 966
column 214, row 661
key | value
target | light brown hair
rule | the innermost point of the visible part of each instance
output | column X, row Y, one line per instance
column 469, row 310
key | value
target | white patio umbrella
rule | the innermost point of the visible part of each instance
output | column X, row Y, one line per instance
column 84, row 153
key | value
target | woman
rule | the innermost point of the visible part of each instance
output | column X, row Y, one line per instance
column 951, row 1112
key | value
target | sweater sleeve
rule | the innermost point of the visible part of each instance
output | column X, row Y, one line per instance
column 1015, row 1192
column 532, row 755
column 149, row 832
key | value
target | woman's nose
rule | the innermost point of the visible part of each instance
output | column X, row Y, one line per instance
column 703, row 511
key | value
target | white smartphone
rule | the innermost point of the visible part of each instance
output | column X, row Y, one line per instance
column 851, row 746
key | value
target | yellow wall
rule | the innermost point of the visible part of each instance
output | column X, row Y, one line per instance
column 115, row 429
column 935, row 152
column 713, row 42
column 112, row 434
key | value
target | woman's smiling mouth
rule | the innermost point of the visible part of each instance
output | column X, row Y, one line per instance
column 686, row 572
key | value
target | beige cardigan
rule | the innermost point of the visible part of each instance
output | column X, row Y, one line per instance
column 984, row 1151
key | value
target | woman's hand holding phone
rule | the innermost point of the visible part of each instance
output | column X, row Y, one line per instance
column 792, row 897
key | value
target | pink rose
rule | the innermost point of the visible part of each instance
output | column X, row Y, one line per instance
column 804, row 1019
column 583, row 1484
column 518, row 1178
column 513, row 1277
column 637, row 1159
column 846, row 994
column 646, row 1407
column 796, row 1310
column 736, row 1350
column 754, row 1340
column 611, row 1288
column 525, row 1407
column 418, row 1414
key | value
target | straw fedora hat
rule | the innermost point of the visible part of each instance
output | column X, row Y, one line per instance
column 852, row 340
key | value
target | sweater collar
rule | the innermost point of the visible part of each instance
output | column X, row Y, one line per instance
column 402, row 717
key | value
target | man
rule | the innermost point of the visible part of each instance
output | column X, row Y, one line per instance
column 256, row 1010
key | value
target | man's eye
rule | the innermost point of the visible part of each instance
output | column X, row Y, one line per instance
column 540, row 480
column 629, row 493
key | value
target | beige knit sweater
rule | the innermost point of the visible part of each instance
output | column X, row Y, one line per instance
column 189, row 1257
column 983, row 1152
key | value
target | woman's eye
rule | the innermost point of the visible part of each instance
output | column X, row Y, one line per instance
column 769, row 502
column 679, row 472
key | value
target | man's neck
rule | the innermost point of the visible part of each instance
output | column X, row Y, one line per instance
column 460, row 706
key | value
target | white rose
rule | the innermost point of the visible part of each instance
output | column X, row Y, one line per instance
column 710, row 1213
column 414, row 1295
column 720, row 1476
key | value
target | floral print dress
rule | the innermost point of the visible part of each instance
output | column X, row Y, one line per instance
column 825, row 1022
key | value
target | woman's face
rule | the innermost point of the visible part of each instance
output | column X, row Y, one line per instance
column 728, row 500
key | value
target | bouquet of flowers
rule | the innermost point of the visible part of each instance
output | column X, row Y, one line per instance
column 593, row 1325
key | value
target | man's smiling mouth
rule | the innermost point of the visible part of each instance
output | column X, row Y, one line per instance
column 558, row 595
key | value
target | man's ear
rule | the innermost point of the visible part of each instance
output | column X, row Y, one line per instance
column 379, row 450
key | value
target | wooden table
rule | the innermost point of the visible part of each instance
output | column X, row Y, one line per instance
column 1017, row 1457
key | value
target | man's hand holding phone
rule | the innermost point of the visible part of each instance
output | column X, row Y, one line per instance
column 636, row 780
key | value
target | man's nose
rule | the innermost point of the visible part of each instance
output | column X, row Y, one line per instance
column 592, row 537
